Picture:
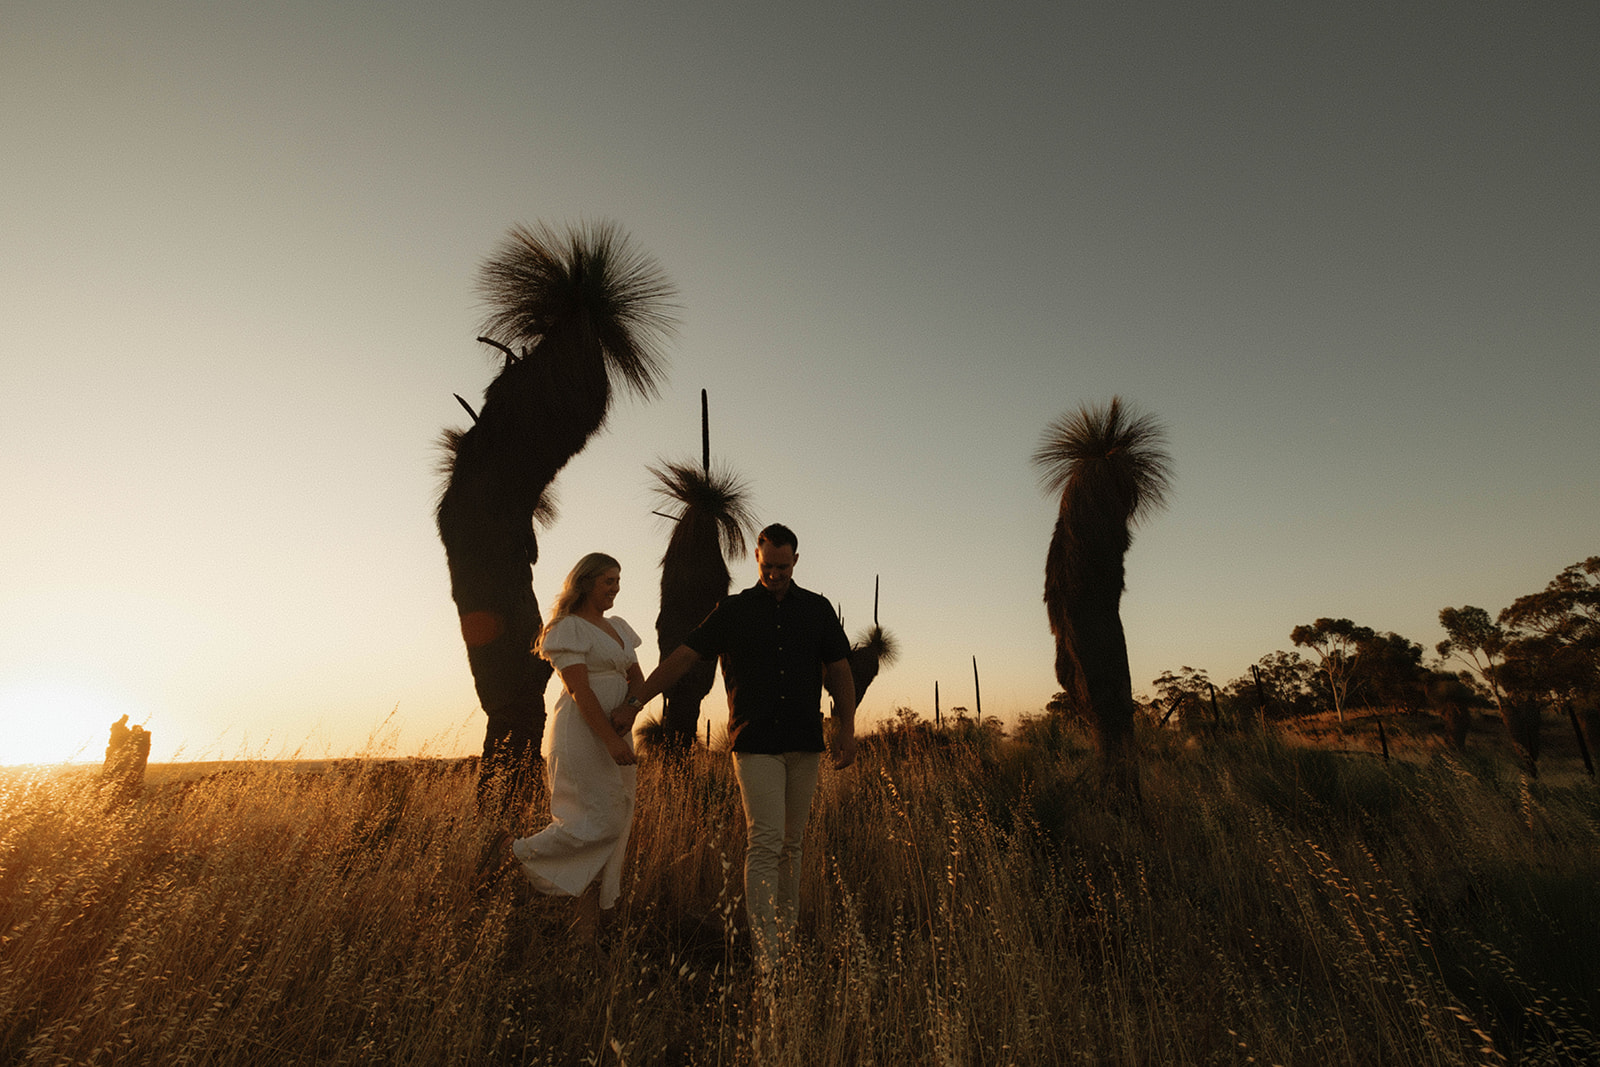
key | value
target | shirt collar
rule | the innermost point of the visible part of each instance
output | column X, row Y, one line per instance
column 764, row 591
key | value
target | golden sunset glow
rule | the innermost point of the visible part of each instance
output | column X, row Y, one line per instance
column 57, row 722
column 1345, row 255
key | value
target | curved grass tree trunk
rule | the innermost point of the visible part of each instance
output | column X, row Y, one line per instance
column 571, row 311
column 694, row 579
column 1083, row 591
column 711, row 521
column 1111, row 470
column 873, row 650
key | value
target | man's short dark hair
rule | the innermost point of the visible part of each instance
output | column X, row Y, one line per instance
column 777, row 535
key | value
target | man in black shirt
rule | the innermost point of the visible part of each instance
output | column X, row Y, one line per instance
column 779, row 644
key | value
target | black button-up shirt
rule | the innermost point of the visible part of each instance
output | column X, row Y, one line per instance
column 773, row 653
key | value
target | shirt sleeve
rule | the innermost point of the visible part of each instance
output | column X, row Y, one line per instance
column 708, row 638
column 835, row 645
column 565, row 644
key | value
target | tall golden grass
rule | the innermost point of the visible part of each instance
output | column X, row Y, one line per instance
column 968, row 900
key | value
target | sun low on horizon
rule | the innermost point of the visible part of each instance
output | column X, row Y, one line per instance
column 51, row 722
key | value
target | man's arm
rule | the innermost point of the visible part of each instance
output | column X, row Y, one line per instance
column 667, row 672
column 622, row 715
column 842, row 686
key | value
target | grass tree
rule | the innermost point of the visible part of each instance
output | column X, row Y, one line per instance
column 709, row 527
column 873, row 650
column 574, row 314
column 1111, row 469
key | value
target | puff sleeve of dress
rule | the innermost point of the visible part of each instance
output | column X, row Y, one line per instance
column 567, row 642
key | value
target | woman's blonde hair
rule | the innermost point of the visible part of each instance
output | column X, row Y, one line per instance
column 579, row 584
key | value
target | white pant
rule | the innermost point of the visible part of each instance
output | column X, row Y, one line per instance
column 777, row 800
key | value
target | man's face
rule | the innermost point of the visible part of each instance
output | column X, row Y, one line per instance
column 777, row 566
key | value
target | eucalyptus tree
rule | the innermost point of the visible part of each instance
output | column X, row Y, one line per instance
column 1338, row 645
column 1478, row 642
column 1280, row 683
column 1187, row 687
column 575, row 315
column 1552, row 652
column 1392, row 674
column 1453, row 699
column 1556, row 632
column 713, row 513
column 1111, row 468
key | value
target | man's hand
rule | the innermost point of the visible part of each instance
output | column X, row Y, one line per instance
column 620, row 753
column 622, row 717
column 842, row 685
column 844, row 746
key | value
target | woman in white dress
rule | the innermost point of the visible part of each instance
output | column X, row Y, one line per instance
column 588, row 748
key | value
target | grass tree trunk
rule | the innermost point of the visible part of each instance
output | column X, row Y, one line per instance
column 710, row 527
column 501, row 469
column 694, row 578
column 1091, row 648
column 1110, row 468
column 490, row 555
column 863, row 669
column 569, row 311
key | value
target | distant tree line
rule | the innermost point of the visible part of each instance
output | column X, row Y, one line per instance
column 1539, row 654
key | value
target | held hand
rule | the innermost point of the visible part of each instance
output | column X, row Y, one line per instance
column 619, row 751
column 622, row 717
column 844, row 748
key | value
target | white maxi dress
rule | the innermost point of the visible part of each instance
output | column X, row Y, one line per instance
column 591, row 797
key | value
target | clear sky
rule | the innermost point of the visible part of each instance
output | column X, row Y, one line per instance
column 1348, row 253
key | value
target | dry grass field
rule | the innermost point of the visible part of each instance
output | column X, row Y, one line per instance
column 969, row 899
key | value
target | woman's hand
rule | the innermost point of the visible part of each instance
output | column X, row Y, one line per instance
column 619, row 751
column 576, row 679
column 622, row 717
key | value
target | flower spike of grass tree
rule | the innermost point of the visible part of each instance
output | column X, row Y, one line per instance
column 713, row 513
column 1111, row 469
column 575, row 314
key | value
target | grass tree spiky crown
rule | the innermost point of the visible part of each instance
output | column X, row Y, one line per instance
column 1111, row 458
column 717, row 495
column 881, row 643
column 590, row 279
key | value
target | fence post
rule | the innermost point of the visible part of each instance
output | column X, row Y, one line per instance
column 1176, row 700
column 1261, row 695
